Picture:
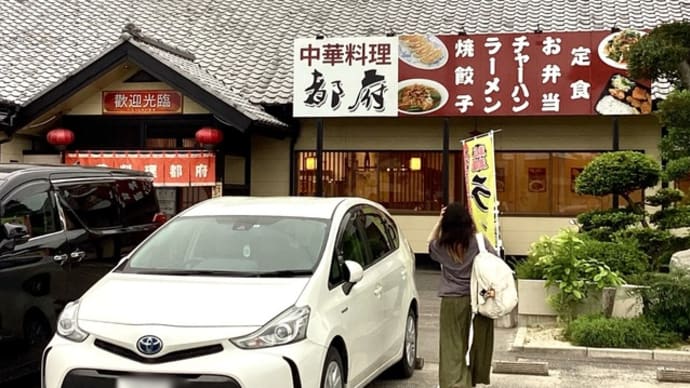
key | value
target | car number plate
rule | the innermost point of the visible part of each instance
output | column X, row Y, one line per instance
column 143, row 382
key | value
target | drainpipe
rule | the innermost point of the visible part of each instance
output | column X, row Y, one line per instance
column 616, row 146
column 445, row 185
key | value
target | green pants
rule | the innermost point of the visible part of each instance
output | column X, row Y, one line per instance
column 454, row 336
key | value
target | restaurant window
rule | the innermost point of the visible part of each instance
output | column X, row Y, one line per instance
column 399, row 180
column 543, row 183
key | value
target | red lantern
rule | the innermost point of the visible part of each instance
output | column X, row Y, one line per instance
column 209, row 137
column 60, row 138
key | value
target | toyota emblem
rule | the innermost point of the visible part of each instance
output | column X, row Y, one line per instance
column 149, row 345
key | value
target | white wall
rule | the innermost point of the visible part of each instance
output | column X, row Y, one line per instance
column 13, row 150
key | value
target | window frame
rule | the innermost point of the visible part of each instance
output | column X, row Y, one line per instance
column 41, row 186
column 456, row 192
column 81, row 223
column 370, row 211
column 352, row 215
column 552, row 152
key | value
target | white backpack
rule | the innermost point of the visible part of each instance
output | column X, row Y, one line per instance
column 491, row 272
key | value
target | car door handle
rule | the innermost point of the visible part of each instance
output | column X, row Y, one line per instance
column 60, row 259
column 403, row 274
column 378, row 290
column 77, row 255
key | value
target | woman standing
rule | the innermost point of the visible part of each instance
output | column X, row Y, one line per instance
column 453, row 244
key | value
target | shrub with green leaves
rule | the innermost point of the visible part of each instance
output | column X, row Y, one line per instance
column 620, row 172
column 563, row 264
column 600, row 332
column 612, row 219
column 529, row 269
column 656, row 243
column 667, row 301
column 665, row 197
column 676, row 169
column 625, row 259
column 670, row 218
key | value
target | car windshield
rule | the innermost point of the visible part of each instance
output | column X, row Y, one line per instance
column 232, row 246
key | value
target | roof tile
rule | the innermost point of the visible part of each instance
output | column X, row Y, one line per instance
column 232, row 40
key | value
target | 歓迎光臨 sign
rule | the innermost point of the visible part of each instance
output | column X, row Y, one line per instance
column 132, row 102
column 345, row 77
column 535, row 74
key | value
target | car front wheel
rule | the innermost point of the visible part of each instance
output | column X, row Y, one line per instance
column 405, row 367
column 332, row 375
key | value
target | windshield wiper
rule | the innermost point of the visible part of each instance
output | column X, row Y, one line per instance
column 194, row 273
column 285, row 273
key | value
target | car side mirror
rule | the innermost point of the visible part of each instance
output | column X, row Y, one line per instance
column 13, row 234
column 355, row 272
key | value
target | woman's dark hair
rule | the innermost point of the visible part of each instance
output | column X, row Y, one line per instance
column 457, row 228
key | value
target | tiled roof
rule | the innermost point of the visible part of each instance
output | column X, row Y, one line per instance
column 185, row 66
column 248, row 44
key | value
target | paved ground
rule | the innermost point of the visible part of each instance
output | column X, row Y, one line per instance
column 563, row 373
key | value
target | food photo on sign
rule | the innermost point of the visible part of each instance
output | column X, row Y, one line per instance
column 622, row 95
column 425, row 52
column 421, row 96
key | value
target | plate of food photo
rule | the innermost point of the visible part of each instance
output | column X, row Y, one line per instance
column 614, row 49
column 425, row 52
column 624, row 96
column 421, row 96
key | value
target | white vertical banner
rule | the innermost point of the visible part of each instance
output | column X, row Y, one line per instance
column 340, row 77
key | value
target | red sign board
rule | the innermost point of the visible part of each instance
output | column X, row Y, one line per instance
column 169, row 168
column 133, row 102
column 564, row 73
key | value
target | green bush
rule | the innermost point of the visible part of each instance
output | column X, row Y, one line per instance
column 614, row 219
column 564, row 266
column 656, row 243
column 665, row 197
column 529, row 269
column 675, row 217
column 626, row 259
column 619, row 172
column 676, row 169
column 600, row 332
column 600, row 234
column 667, row 301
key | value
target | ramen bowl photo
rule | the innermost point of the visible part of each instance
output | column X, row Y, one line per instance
column 421, row 96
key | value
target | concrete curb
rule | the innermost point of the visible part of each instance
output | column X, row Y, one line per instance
column 589, row 353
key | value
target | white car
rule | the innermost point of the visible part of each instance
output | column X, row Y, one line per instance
column 248, row 292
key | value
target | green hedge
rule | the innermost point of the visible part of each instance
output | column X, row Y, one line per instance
column 667, row 301
column 625, row 259
column 600, row 332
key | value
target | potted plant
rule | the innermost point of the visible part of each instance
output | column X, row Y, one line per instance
column 571, row 280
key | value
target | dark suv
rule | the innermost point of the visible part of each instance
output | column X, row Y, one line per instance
column 61, row 229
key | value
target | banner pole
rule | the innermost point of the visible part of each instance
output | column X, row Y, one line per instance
column 446, row 163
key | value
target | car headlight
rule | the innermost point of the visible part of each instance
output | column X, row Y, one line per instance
column 288, row 327
column 67, row 326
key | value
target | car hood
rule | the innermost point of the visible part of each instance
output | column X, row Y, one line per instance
column 189, row 301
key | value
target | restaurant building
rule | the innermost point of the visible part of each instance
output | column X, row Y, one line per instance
column 135, row 84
